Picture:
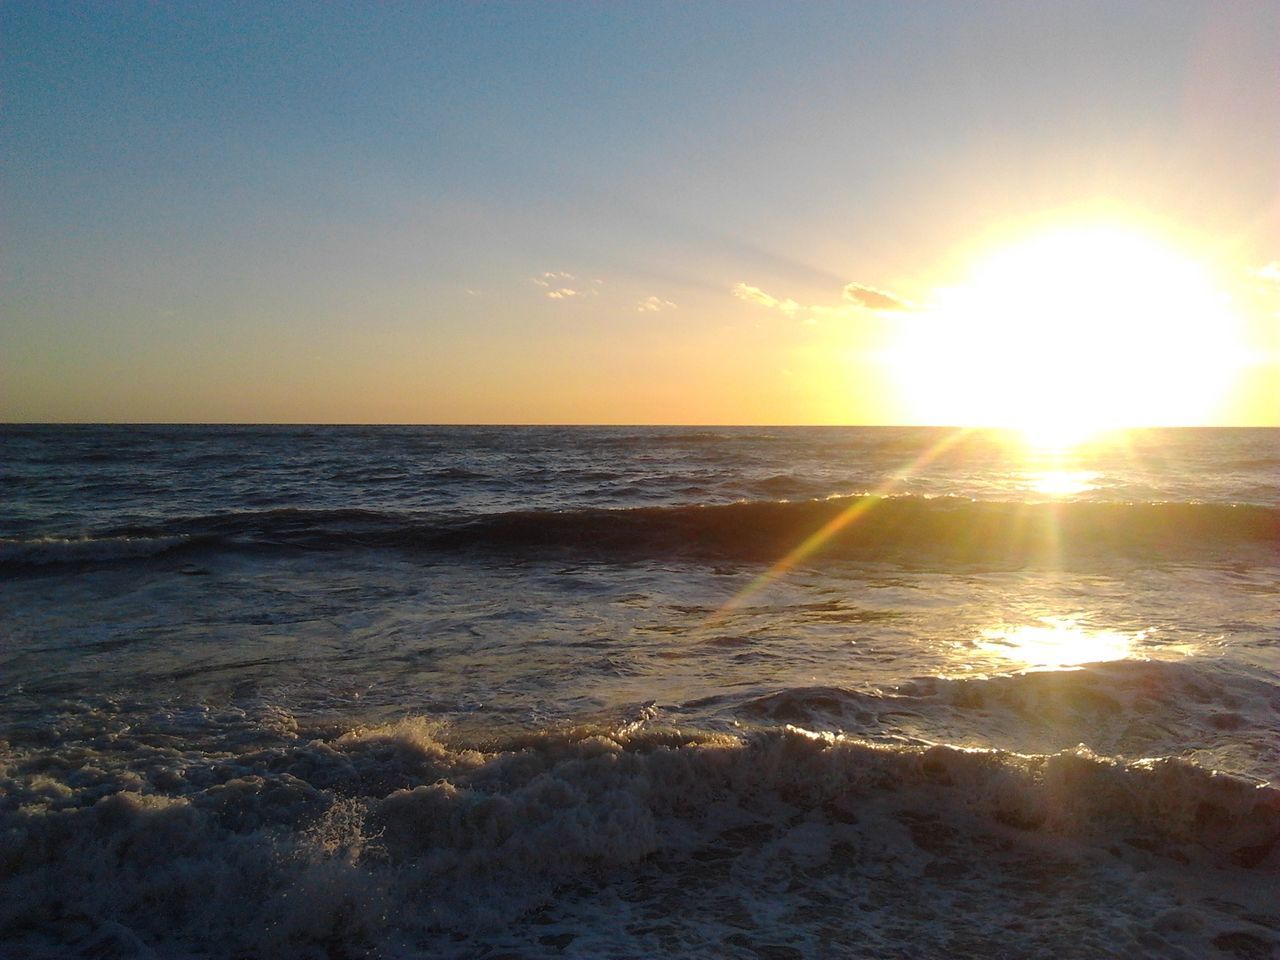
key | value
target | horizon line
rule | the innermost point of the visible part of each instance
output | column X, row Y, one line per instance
column 584, row 424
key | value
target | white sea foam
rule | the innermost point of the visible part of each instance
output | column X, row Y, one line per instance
column 390, row 839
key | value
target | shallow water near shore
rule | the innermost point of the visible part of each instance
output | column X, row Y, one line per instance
column 486, row 692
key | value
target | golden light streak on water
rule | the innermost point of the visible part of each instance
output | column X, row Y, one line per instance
column 1056, row 642
column 1062, row 483
column 848, row 516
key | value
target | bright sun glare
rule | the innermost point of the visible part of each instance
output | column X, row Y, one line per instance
column 1070, row 332
column 1056, row 642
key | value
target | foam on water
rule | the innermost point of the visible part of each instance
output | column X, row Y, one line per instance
column 390, row 839
column 1123, row 708
column 16, row 554
column 488, row 692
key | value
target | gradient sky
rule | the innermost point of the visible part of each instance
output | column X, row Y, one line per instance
column 601, row 212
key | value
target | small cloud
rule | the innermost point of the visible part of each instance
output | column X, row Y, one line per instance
column 654, row 305
column 874, row 299
column 555, row 286
column 752, row 294
column 554, row 280
column 856, row 297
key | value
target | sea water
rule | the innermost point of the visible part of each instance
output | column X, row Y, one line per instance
column 637, row 692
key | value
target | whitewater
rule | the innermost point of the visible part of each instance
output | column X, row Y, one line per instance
column 633, row 692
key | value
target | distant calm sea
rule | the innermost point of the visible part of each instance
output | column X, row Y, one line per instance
column 342, row 692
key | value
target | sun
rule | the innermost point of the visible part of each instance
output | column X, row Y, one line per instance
column 1069, row 332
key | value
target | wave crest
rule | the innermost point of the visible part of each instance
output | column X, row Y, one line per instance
column 907, row 529
column 390, row 835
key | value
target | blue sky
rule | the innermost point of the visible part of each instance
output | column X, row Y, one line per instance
column 341, row 211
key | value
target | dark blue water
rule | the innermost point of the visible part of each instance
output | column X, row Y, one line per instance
column 424, row 691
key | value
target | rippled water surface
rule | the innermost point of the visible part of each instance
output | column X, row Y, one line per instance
column 414, row 691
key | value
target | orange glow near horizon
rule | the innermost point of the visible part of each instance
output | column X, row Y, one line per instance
column 1061, row 336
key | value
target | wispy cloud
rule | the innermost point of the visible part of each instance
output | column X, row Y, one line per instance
column 856, row 297
column 553, row 279
column 744, row 291
column 654, row 305
column 556, row 286
column 873, row 299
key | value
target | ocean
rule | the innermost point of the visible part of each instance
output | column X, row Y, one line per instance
column 509, row 692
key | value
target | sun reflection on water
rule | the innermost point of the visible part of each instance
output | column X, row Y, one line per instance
column 1056, row 642
column 1062, row 483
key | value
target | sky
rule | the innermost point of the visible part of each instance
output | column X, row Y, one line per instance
column 630, row 212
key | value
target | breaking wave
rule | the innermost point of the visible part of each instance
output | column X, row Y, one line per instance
column 392, row 836
column 1133, row 707
column 46, row 551
column 907, row 528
